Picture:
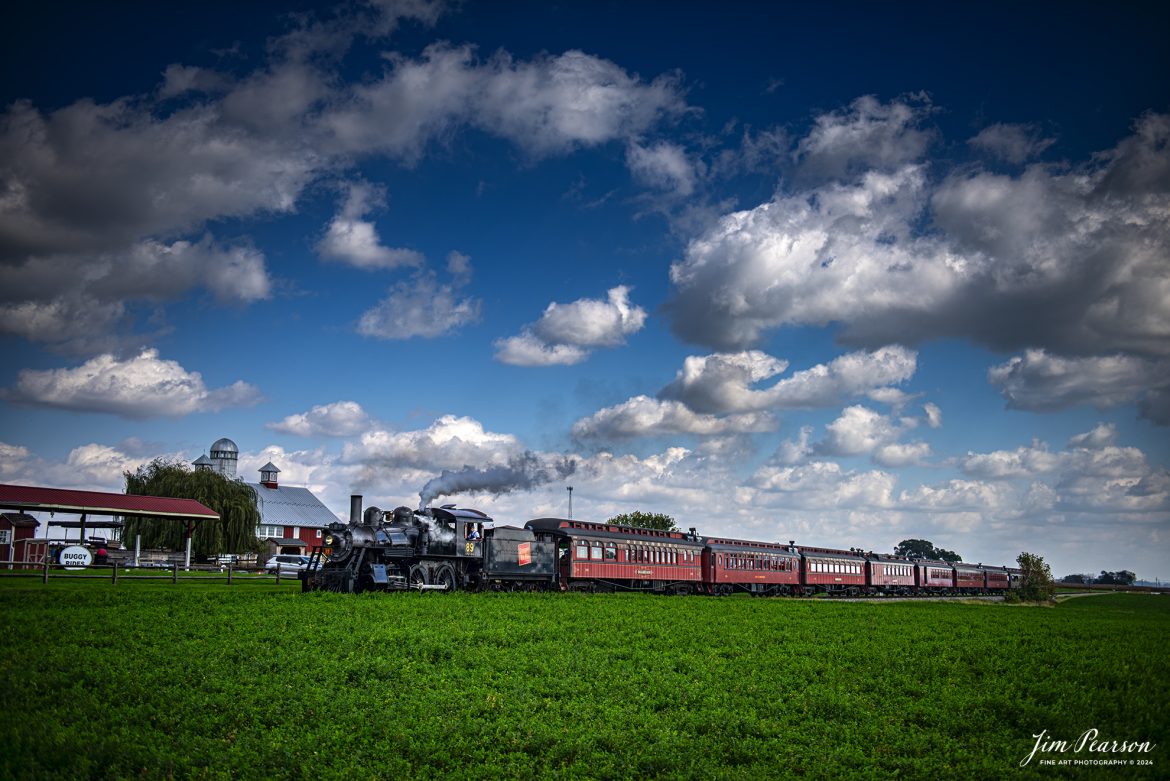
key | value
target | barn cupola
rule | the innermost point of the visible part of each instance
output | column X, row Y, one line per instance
column 268, row 475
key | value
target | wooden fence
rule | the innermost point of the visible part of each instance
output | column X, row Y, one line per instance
column 115, row 572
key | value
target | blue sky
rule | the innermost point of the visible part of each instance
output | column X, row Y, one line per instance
column 837, row 275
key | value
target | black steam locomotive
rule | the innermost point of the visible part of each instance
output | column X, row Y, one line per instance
column 440, row 548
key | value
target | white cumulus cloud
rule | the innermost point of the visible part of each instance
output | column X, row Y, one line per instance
column 449, row 442
column 567, row 333
column 339, row 419
column 723, row 382
column 715, row 395
column 862, row 431
column 867, row 135
column 355, row 241
column 141, row 387
column 422, row 307
column 858, row 430
column 644, row 416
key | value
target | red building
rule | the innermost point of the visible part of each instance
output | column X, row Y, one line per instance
column 18, row 542
column 292, row 519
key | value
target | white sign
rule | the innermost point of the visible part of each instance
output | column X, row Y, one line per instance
column 75, row 557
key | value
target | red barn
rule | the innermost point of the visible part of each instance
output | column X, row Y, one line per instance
column 292, row 519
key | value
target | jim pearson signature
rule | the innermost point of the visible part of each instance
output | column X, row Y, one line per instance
column 1087, row 742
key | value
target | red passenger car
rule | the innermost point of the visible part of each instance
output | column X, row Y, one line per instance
column 998, row 579
column 833, row 571
column 760, row 568
column 969, row 578
column 599, row 557
column 935, row 577
column 890, row 575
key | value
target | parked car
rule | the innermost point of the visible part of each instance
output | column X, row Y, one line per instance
column 287, row 563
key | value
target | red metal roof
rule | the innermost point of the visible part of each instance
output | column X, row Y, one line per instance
column 32, row 498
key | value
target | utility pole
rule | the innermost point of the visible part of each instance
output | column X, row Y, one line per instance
column 570, row 503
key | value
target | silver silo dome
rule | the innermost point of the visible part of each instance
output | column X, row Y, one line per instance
column 224, row 455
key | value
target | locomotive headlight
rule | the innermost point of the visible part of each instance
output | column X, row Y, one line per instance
column 328, row 539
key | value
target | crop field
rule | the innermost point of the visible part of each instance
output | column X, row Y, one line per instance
column 197, row 680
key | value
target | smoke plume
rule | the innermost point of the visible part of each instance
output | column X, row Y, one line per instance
column 521, row 473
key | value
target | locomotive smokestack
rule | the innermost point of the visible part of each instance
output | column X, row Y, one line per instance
column 355, row 509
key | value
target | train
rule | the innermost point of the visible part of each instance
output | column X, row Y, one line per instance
column 448, row 548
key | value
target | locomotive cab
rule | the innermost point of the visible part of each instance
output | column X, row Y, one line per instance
column 458, row 532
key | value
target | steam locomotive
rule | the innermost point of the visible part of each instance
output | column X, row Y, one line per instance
column 448, row 548
column 440, row 548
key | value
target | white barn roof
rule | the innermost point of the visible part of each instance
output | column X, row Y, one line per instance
column 290, row 506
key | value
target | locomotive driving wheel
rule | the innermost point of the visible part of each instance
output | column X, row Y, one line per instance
column 417, row 576
column 444, row 576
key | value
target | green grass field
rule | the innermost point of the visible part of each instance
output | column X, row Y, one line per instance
column 153, row 680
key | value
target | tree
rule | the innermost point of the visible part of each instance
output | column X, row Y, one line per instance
column 924, row 549
column 1036, row 579
column 645, row 520
column 235, row 501
column 1122, row 578
column 1077, row 579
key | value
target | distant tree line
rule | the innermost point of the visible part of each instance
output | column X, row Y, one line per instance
column 1121, row 578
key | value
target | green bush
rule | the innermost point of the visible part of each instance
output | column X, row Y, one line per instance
column 1037, row 584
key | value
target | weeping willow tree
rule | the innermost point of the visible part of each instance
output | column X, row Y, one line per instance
column 234, row 532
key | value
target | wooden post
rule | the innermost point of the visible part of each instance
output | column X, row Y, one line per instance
column 229, row 574
column 114, row 576
column 175, row 572
column 45, row 576
column 278, row 573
